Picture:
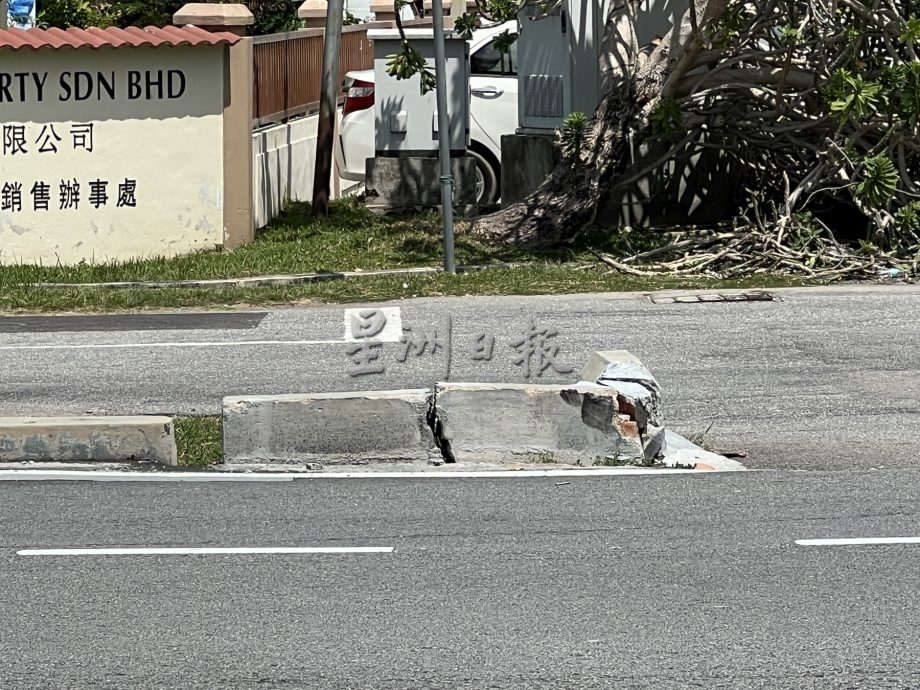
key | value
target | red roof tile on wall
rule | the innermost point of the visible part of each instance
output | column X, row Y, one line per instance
column 18, row 39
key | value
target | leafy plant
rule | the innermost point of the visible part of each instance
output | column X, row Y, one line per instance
column 666, row 117
column 407, row 64
column 64, row 14
column 504, row 41
column 735, row 19
column 907, row 218
column 790, row 35
column 853, row 95
column 910, row 92
column 879, row 182
column 573, row 135
column 271, row 16
column 912, row 35
column 501, row 11
column 465, row 24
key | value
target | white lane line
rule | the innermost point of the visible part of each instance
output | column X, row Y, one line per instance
column 226, row 343
column 112, row 476
column 858, row 541
column 115, row 476
column 180, row 551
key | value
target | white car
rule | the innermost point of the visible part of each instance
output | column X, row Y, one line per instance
column 493, row 113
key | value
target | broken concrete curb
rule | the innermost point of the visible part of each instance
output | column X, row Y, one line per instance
column 329, row 428
column 616, row 419
column 682, row 452
column 578, row 424
column 88, row 439
column 624, row 371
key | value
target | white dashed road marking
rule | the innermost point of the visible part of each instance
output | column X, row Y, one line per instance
column 242, row 550
column 858, row 541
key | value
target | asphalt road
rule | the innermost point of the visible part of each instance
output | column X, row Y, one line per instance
column 819, row 378
column 642, row 582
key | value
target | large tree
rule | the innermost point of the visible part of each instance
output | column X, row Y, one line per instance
column 811, row 104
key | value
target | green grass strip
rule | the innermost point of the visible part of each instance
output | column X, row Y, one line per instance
column 199, row 441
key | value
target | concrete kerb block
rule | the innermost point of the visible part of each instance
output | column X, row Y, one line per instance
column 329, row 428
column 579, row 424
column 86, row 439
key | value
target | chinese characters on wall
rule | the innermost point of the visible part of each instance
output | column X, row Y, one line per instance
column 18, row 196
column 534, row 351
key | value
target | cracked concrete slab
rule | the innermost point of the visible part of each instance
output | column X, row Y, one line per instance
column 579, row 424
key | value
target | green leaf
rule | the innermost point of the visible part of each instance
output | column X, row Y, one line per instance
column 790, row 36
column 910, row 93
column 879, row 182
column 907, row 218
column 854, row 96
column 574, row 134
column 501, row 11
column 912, row 35
column 734, row 20
column 465, row 24
column 666, row 117
column 504, row 41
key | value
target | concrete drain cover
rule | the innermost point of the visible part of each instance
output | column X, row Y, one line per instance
column 751, row 296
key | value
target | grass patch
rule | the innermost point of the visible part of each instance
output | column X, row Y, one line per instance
column 351, row 238
column 546, row 279
column 617, row 461
column 701, row 439
column 199, row 441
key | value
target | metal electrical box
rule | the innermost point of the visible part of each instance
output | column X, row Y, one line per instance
column 558, row 63
column 407, row 121
column 559, row 56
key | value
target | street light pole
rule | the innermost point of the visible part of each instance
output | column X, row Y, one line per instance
column 4, row 14
column 447, row 180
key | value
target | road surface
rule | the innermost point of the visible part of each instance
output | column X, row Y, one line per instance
column 641, row 582
column 819, row 378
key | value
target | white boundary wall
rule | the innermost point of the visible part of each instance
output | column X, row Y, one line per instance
column 284, row 157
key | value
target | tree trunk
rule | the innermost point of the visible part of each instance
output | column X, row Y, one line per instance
column 633, row 85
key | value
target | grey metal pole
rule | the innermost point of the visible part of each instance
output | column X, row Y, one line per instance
column 447, row 180
column 325, row 129
column 4, row 14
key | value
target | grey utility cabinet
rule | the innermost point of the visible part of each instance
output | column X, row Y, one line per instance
column 559, row 56
column 406, row 120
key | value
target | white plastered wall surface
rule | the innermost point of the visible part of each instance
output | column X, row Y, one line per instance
column 122, row 158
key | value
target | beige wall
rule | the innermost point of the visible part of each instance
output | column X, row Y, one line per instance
column 173, row 148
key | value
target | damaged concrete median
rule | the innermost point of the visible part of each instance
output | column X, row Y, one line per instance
column 611, row 417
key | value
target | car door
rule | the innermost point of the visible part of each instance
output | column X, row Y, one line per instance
column 493, row 89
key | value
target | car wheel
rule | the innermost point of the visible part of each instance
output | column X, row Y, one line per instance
column 486, row 179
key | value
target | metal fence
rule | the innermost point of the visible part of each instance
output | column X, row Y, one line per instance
column 287, row 70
